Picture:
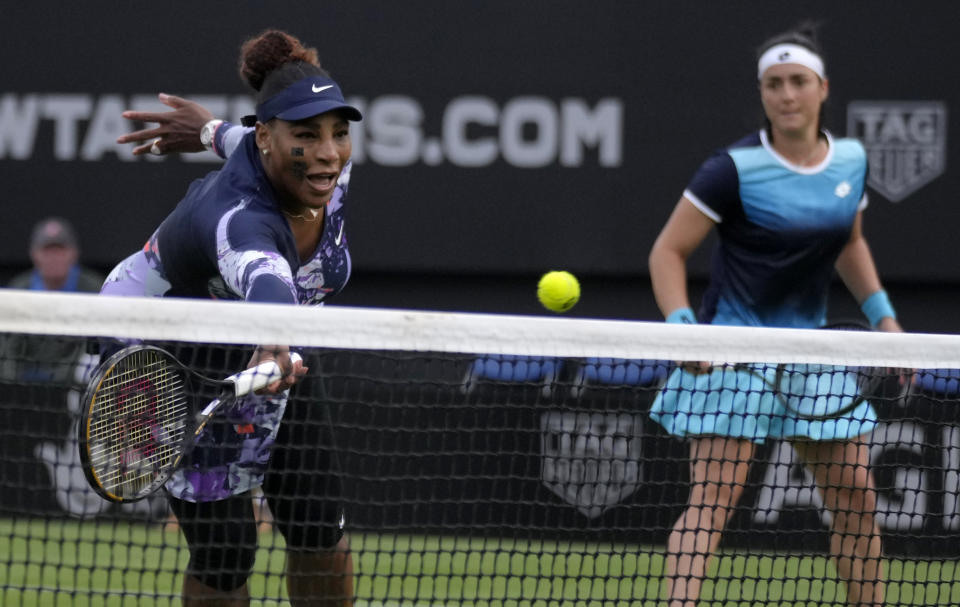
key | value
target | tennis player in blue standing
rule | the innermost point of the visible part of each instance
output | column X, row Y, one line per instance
column 786, row 202
column 267, row 227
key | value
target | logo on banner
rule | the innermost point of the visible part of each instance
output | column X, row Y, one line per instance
column 906, row 143
column 897, row 453
column 591, row 460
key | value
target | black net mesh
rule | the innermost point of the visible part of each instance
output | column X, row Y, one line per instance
column 435, row 478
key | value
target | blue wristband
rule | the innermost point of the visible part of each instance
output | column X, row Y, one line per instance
column 682, row 316
column 877, row 307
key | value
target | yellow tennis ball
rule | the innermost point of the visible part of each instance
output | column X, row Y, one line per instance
column 558, row 291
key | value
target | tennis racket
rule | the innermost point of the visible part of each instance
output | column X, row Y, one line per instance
column 790, row 383
column 137, row 424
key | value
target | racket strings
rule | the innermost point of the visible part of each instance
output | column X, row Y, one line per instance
column 138, row 422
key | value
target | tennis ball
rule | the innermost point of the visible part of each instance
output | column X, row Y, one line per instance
column 558, row 291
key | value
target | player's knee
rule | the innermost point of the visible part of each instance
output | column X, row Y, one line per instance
column 223, row 568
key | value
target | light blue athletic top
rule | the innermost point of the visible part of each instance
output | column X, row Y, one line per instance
column 781, row 228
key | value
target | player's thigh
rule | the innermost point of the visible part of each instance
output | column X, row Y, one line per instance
column 302, row 484
column 304, row 459
column 841, row 470
column 223, row 522
column 222, row 538
column 718, row 469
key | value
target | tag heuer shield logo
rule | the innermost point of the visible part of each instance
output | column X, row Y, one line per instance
column 905, row 142
column 591, row 460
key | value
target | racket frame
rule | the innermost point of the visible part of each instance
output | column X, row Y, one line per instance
column 232, row 387
column 865, row 388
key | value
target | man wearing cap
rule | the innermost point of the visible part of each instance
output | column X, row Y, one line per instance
column 55, row 253
column 47, row 359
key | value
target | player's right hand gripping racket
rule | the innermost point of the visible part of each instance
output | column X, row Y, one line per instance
column 137, row 424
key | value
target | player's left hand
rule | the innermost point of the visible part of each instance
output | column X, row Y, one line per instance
column 889, row 325
column 177, row 131
column 906, row 377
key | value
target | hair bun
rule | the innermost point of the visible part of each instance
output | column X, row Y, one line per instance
column 264, row 53
column 809, row 29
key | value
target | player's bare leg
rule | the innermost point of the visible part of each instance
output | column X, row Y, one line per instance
column 718, row 473
column 321, row 579
column 842, row 472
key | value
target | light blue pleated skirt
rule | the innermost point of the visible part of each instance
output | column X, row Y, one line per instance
column 755, row 402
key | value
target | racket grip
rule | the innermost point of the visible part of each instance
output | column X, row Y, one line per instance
column 258, row 377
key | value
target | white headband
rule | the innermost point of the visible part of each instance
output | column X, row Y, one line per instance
column 789, row 53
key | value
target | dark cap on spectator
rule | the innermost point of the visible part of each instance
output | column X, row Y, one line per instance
column 53, row 231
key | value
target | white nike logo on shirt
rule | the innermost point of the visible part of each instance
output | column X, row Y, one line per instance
column 319, row 89
column 336, row 240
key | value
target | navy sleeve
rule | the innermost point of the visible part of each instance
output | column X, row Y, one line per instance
column 715, row 187
column 252, row 261
column 267, row 288
column 227, row 138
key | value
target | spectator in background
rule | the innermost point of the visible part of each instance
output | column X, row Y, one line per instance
column 55, row 253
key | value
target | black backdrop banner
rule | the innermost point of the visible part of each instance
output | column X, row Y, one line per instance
column 500, row 137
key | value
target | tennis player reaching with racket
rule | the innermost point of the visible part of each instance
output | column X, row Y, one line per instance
column 786, row 203
column 267, row 227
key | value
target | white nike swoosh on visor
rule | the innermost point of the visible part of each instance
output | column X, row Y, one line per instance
column 319, row 89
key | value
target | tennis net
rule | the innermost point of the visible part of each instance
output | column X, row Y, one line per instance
column 505, row 460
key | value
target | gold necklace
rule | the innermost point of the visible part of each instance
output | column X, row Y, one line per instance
column 315, row 215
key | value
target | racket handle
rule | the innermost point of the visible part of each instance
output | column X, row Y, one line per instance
column 258, row 377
